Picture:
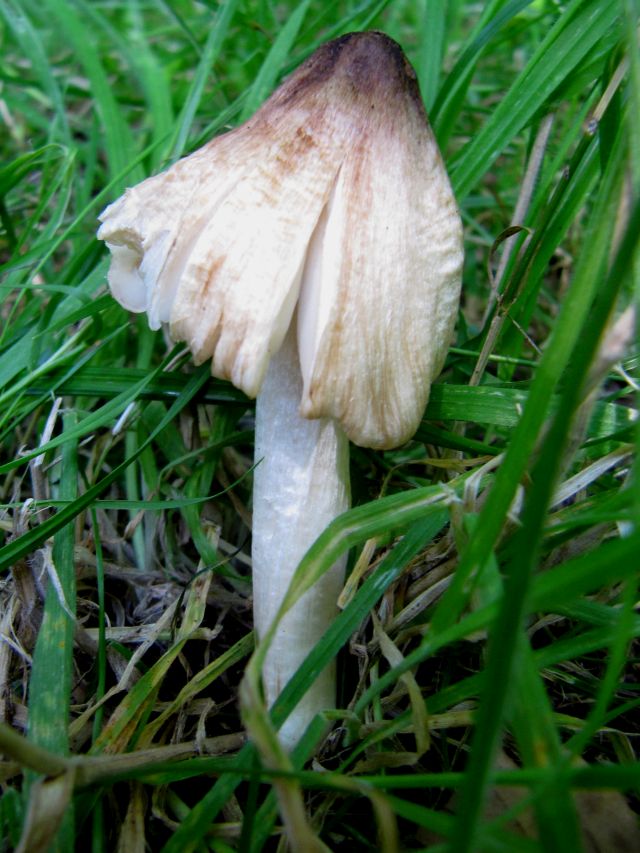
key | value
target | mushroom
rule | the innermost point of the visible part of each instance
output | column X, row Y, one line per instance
column 314, row 255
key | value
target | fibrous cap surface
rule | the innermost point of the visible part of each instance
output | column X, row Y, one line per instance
column 333, row 199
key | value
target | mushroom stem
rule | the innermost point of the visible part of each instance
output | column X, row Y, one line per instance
column 301, row 483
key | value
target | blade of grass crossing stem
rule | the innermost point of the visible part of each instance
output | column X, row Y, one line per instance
column 195, row 825
column 395, row 513
column 346, row 622
column 51, row 675
column 571, row 38
column 499, row 406
column 217, row 34
column 507, row 631
column 574, row 317
column 337, row 634
column 272, row 65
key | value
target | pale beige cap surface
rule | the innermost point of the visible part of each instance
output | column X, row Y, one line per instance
column 333, row 199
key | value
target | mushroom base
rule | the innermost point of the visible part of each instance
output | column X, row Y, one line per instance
column 301, row 483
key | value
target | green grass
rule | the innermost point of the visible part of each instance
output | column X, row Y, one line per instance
column 487, row 645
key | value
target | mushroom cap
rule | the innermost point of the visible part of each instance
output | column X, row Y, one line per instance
column 332, row 200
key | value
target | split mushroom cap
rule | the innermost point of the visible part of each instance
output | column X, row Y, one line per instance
column 333, row 199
